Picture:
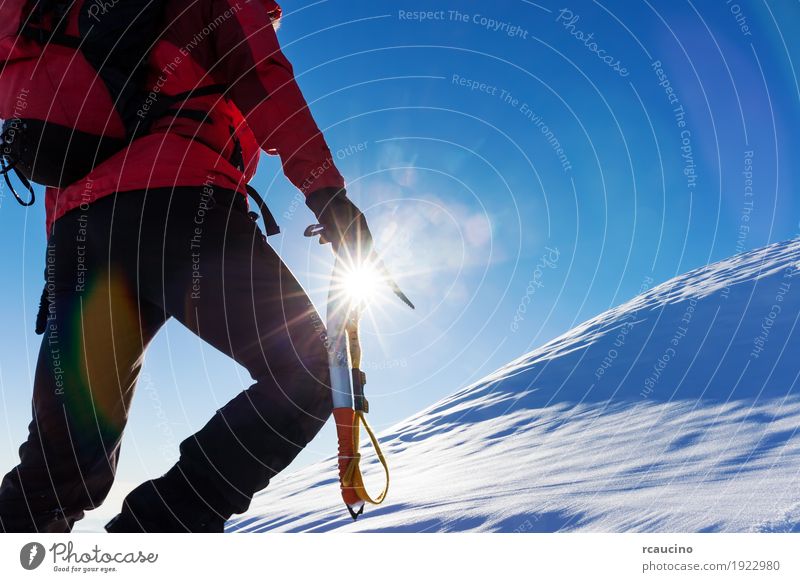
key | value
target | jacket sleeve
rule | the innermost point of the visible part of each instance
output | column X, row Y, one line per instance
column 261, row 83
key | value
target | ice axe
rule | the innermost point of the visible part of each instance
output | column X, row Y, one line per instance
column 350, row 405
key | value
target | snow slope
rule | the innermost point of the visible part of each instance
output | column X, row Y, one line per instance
column 677, row 411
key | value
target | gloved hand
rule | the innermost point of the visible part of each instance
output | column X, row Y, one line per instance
column 345, row 227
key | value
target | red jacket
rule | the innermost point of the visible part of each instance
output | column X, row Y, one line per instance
column 208, row 42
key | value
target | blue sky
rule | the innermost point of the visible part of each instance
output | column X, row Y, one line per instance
column 517, row 182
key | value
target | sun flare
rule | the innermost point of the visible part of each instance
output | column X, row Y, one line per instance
column 361, row 283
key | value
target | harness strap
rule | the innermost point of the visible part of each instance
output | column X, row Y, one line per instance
column 45, row 37
column 33, row 28
column 193, row 114
column 204, row 91
column 270, row 224
column 165, row 105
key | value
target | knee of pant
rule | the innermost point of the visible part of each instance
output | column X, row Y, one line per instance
column 298, row 366
column 292, row 391
column 86, row 485
column 301, row 400
column 98, row 486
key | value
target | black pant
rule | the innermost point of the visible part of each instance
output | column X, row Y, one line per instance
column 117, row 269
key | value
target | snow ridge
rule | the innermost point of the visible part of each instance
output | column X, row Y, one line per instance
column 676, row 411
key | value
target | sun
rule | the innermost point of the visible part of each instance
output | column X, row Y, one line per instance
column 361, row 283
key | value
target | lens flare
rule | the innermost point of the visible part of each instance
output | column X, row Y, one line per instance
column 361, row 283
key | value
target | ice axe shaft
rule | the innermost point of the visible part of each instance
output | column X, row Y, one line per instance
column 347, row 386
column 349, row 403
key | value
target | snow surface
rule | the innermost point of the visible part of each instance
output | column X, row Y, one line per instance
column 675, row 412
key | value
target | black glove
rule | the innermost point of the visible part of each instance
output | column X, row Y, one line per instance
column 343, row 223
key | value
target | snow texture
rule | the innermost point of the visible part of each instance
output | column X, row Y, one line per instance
column 675, row 412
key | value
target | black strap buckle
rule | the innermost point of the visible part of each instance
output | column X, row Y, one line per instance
column 360, row 402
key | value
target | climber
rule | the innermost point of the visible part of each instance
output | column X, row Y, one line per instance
column 148, row 219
